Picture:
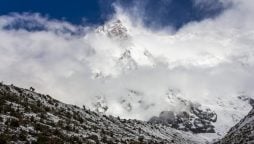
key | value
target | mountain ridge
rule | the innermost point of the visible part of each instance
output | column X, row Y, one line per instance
column 27, row 116
column 242, row 132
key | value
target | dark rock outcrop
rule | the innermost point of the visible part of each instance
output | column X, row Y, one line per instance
column 196, row 121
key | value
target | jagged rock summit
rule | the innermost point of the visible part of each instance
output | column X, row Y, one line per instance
column 115, row 30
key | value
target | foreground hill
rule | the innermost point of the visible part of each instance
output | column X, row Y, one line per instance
column 30, row 117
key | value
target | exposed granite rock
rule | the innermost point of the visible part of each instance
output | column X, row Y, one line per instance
column 197, row 120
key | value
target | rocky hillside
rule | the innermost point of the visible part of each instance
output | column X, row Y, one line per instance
column 241, row 133
column 30, row 117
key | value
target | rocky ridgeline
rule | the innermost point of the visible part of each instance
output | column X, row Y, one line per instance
column 193, row 117
column 196, row 121
column 30, row 117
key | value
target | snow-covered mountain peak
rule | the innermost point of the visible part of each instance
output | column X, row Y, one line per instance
column 123, row 53
column 115, row 30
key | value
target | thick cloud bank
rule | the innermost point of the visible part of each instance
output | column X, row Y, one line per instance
column 210, row 62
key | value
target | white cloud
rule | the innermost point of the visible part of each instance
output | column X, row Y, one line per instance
column 208, row 60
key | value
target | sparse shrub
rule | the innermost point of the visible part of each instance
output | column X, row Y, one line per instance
column 42, row 139
column 141, row 138
column 95, row 138
column 60, row 123
column 4, row 138
column 68, row 128
column 22, row 136
column 14, row 123
column 47, row 109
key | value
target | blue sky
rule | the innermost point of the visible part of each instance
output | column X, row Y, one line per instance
column 72, row 11
column 154, row 13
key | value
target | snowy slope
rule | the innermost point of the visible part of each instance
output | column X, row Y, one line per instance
column 243, row 132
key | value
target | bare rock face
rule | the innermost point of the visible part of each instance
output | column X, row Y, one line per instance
column 193, row 117
column 241, row 133
column 196, row 121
